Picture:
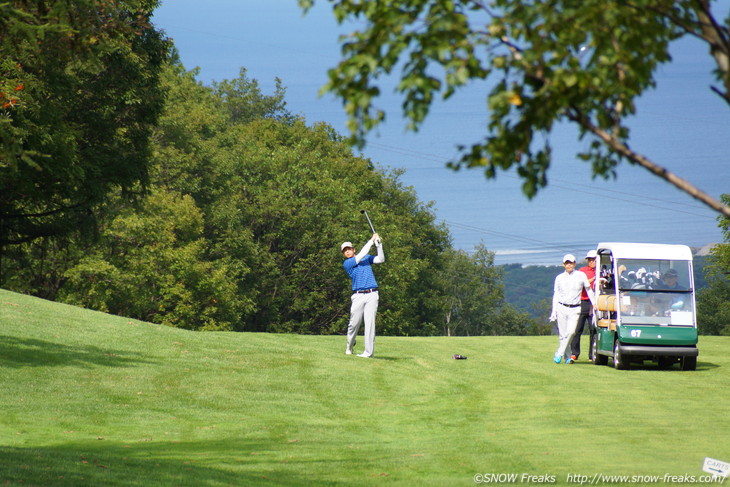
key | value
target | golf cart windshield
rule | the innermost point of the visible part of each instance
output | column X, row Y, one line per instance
column 655, row 292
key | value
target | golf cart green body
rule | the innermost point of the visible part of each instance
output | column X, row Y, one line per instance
column 646, row 305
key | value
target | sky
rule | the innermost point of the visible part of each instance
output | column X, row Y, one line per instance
column 681, row 125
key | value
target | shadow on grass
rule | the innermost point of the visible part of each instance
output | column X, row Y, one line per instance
column 205, row 464
column 17, row 352
column 79, row 466
column 701, row 366
column 392, row 359
column 706, row 366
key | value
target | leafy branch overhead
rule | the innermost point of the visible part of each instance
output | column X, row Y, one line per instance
column 581, row 61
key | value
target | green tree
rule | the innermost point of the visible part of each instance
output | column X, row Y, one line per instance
column 244, row 101
column 713, row 308
column 539, row 315
column 474, row 292
column 295, row 191
column 539, row 71
column 512, row 322
column 241, row 226
column 410, row 279
column 474, row 297
column 150, row 264
column 80, row 94
column 38, row 267
column 279, row 196
column 713, row 302
column 276, row 198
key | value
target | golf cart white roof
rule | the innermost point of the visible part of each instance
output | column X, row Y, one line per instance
column 623, row 250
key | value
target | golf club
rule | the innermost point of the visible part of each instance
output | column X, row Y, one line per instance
column 369, row 222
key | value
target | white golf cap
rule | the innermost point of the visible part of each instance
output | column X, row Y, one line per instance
column 346, row 245
column 568, row 258
column 591, row 254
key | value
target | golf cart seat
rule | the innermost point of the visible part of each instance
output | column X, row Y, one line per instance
column 607, row 309
column 606, row 323
column 607, row 302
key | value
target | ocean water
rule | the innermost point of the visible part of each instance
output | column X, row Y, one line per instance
column 681, row 125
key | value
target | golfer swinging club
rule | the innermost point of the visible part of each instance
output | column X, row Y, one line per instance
column 364, row 292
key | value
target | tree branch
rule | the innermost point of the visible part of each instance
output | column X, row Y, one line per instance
column 619, row 147
column 708, row 30
column 56, row 211
column 719, row 42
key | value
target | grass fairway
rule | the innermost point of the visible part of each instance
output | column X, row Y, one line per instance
column 98, row 400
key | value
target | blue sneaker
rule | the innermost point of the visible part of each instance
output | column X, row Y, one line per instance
column 569, row 361
column 557, row 359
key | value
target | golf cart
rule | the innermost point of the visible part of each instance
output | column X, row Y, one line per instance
column 645, row 305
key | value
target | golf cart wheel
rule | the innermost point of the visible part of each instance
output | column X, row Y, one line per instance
column 666, row 362
column 689, row 363
column 619, row 361
column 597, row 359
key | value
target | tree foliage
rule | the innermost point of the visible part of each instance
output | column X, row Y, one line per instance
column 240, row 225
column 474, row 293
column 79, row 95
column 217, row 209
column 151, row 263
column 244, row 102
column 525, row 286
column 713, row 302
column 539, row 71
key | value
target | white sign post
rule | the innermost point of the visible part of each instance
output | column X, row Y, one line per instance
column 716, row 467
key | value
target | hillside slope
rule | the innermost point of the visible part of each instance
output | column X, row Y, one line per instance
column 94, row 399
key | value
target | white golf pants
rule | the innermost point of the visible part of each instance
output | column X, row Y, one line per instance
column 567, row 322
column 363, row 309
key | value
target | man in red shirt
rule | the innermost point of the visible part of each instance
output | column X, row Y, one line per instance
column 586, row 309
